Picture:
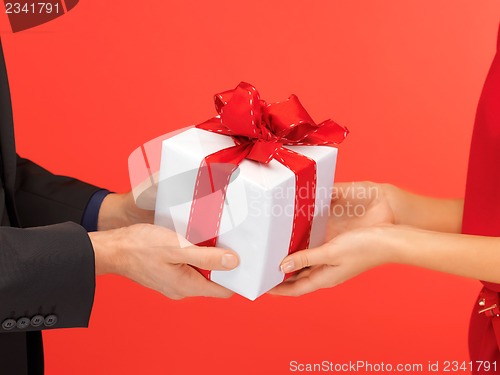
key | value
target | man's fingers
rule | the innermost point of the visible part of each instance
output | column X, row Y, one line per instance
column 206, row 258
column 305, row 258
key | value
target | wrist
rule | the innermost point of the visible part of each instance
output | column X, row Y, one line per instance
column 120, row 210
column 113, row 213
column 395, row 197
column 434, row 214
column 401, row 242
column 107, row 250
column 387, row 243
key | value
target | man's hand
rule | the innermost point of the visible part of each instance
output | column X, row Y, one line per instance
column 151, row 256
column 120, row 210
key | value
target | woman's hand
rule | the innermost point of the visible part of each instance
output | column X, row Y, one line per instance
column 356, row 251
column 340, row 259
column 359, row 205
column 372, row 224
column 359, row 211
column 364, row 204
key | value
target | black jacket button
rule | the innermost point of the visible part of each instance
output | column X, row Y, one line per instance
column 50, row 320
column 23, row 323
column 8, row 324
column 37, row 321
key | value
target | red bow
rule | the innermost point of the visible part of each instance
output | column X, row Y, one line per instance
column 260, row 131
column 264, row 128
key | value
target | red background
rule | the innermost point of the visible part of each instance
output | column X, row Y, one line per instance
column 405, row 77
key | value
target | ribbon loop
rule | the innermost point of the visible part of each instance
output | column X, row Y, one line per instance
column 289, row 120
column 244, row 115
column 241, row 113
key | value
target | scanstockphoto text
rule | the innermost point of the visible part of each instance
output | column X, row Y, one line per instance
column 364, row 366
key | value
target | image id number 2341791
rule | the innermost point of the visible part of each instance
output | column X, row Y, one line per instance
column 33, row 8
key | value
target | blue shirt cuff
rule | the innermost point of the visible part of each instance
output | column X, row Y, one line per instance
column 91, row 213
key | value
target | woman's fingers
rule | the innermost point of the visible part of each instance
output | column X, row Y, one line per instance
column 318, row 278
column 306, row 258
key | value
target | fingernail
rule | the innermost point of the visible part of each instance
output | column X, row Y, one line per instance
column 229, row 261
column 288, row 266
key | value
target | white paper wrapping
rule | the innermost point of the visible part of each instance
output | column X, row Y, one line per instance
column 257, row 216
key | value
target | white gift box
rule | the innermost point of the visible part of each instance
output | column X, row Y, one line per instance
column 257, row 216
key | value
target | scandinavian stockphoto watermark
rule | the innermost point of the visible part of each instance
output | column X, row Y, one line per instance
column 347, row 200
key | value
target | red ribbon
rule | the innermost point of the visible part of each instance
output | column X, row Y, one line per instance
column 259, row 131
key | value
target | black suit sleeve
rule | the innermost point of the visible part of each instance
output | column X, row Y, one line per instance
column 47, row 277
column 47, row 273
column 43, row 198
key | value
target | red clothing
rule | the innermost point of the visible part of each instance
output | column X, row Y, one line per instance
column 482, row 202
